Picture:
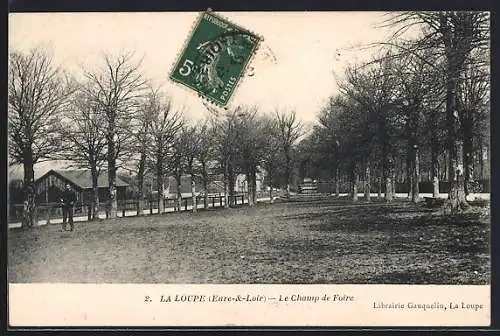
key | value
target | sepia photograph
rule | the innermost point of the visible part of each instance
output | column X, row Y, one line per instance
column 250, row 148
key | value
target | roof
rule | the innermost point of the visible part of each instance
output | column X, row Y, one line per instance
column 16, row 172
column 83, row 178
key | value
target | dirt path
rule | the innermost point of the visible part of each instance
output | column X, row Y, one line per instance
column 320, row 241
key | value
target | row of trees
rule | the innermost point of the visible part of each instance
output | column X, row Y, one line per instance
column 113, row 118
column 425, row 99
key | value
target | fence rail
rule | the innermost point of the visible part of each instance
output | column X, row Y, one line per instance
column 125, row 208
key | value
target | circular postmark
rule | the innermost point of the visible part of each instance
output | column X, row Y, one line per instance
column 215, row 57
column 222, row 60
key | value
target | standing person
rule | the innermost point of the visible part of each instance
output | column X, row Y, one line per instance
column 68, row 199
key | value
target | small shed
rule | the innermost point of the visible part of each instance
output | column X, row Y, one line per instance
column 50, row 185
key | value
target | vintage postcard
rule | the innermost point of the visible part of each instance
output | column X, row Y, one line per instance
column 249, row 169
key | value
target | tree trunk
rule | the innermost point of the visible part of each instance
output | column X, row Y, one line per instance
column 205, row 193
column 111, row 156
column 367, row 183
column 288, row 173
column 455, row 56
column 474, row 165
column 337, row 182
column 456, row 194
column 435, row 175
column 415, row 176
column 205, row 185
column 379, row 191
column 481, row 163
column 388, row 188
column 409, row 170
column 457, row 180
column 435, row 168
column 226, row 186
column 270, row 177
column 249, row 188
column 159, row 186
column 389, row 181
column 178, row 179
column 446, row 166
column 468, row 151
column 95, row 193
column 355, row 180
column 140, row 184
column 253, row 175
column 393, row 183
column 193, row 194
column 231, row 185
column 412, row 163
column 29, row 210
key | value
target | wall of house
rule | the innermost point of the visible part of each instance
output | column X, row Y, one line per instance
column 15, row 195
column 49, row 190
column 50, row 187
column 121, row 194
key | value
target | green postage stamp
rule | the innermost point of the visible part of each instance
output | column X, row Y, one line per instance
column 214, row 58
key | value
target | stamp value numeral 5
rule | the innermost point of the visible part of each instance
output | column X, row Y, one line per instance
column 186, row 68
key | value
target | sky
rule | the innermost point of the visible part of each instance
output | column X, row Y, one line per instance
column 294, row 67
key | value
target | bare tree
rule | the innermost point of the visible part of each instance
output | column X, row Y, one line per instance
column 141, row 134
column 84, row 142
column 205, row 157
column 38, row 91
column 117, row 87
column 473, row 108
column 193, row 138
column 331, row 136
column 457, row 35
column 418, row 86
column 224, row 135
column 290, row 129
column 177, row 161
column 250, row 144
column 371, row 92
column 166, row 122
column 271, row 158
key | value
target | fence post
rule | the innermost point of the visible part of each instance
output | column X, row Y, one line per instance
column 35, row 216
column 89, row 212
column 48, row 214
column 106, row 205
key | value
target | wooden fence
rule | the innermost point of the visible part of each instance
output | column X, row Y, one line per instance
column 49, row 211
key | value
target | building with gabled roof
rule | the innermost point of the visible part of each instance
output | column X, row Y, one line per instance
column 50, row 185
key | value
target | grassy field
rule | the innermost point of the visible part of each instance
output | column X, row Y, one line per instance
column 314, row 241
